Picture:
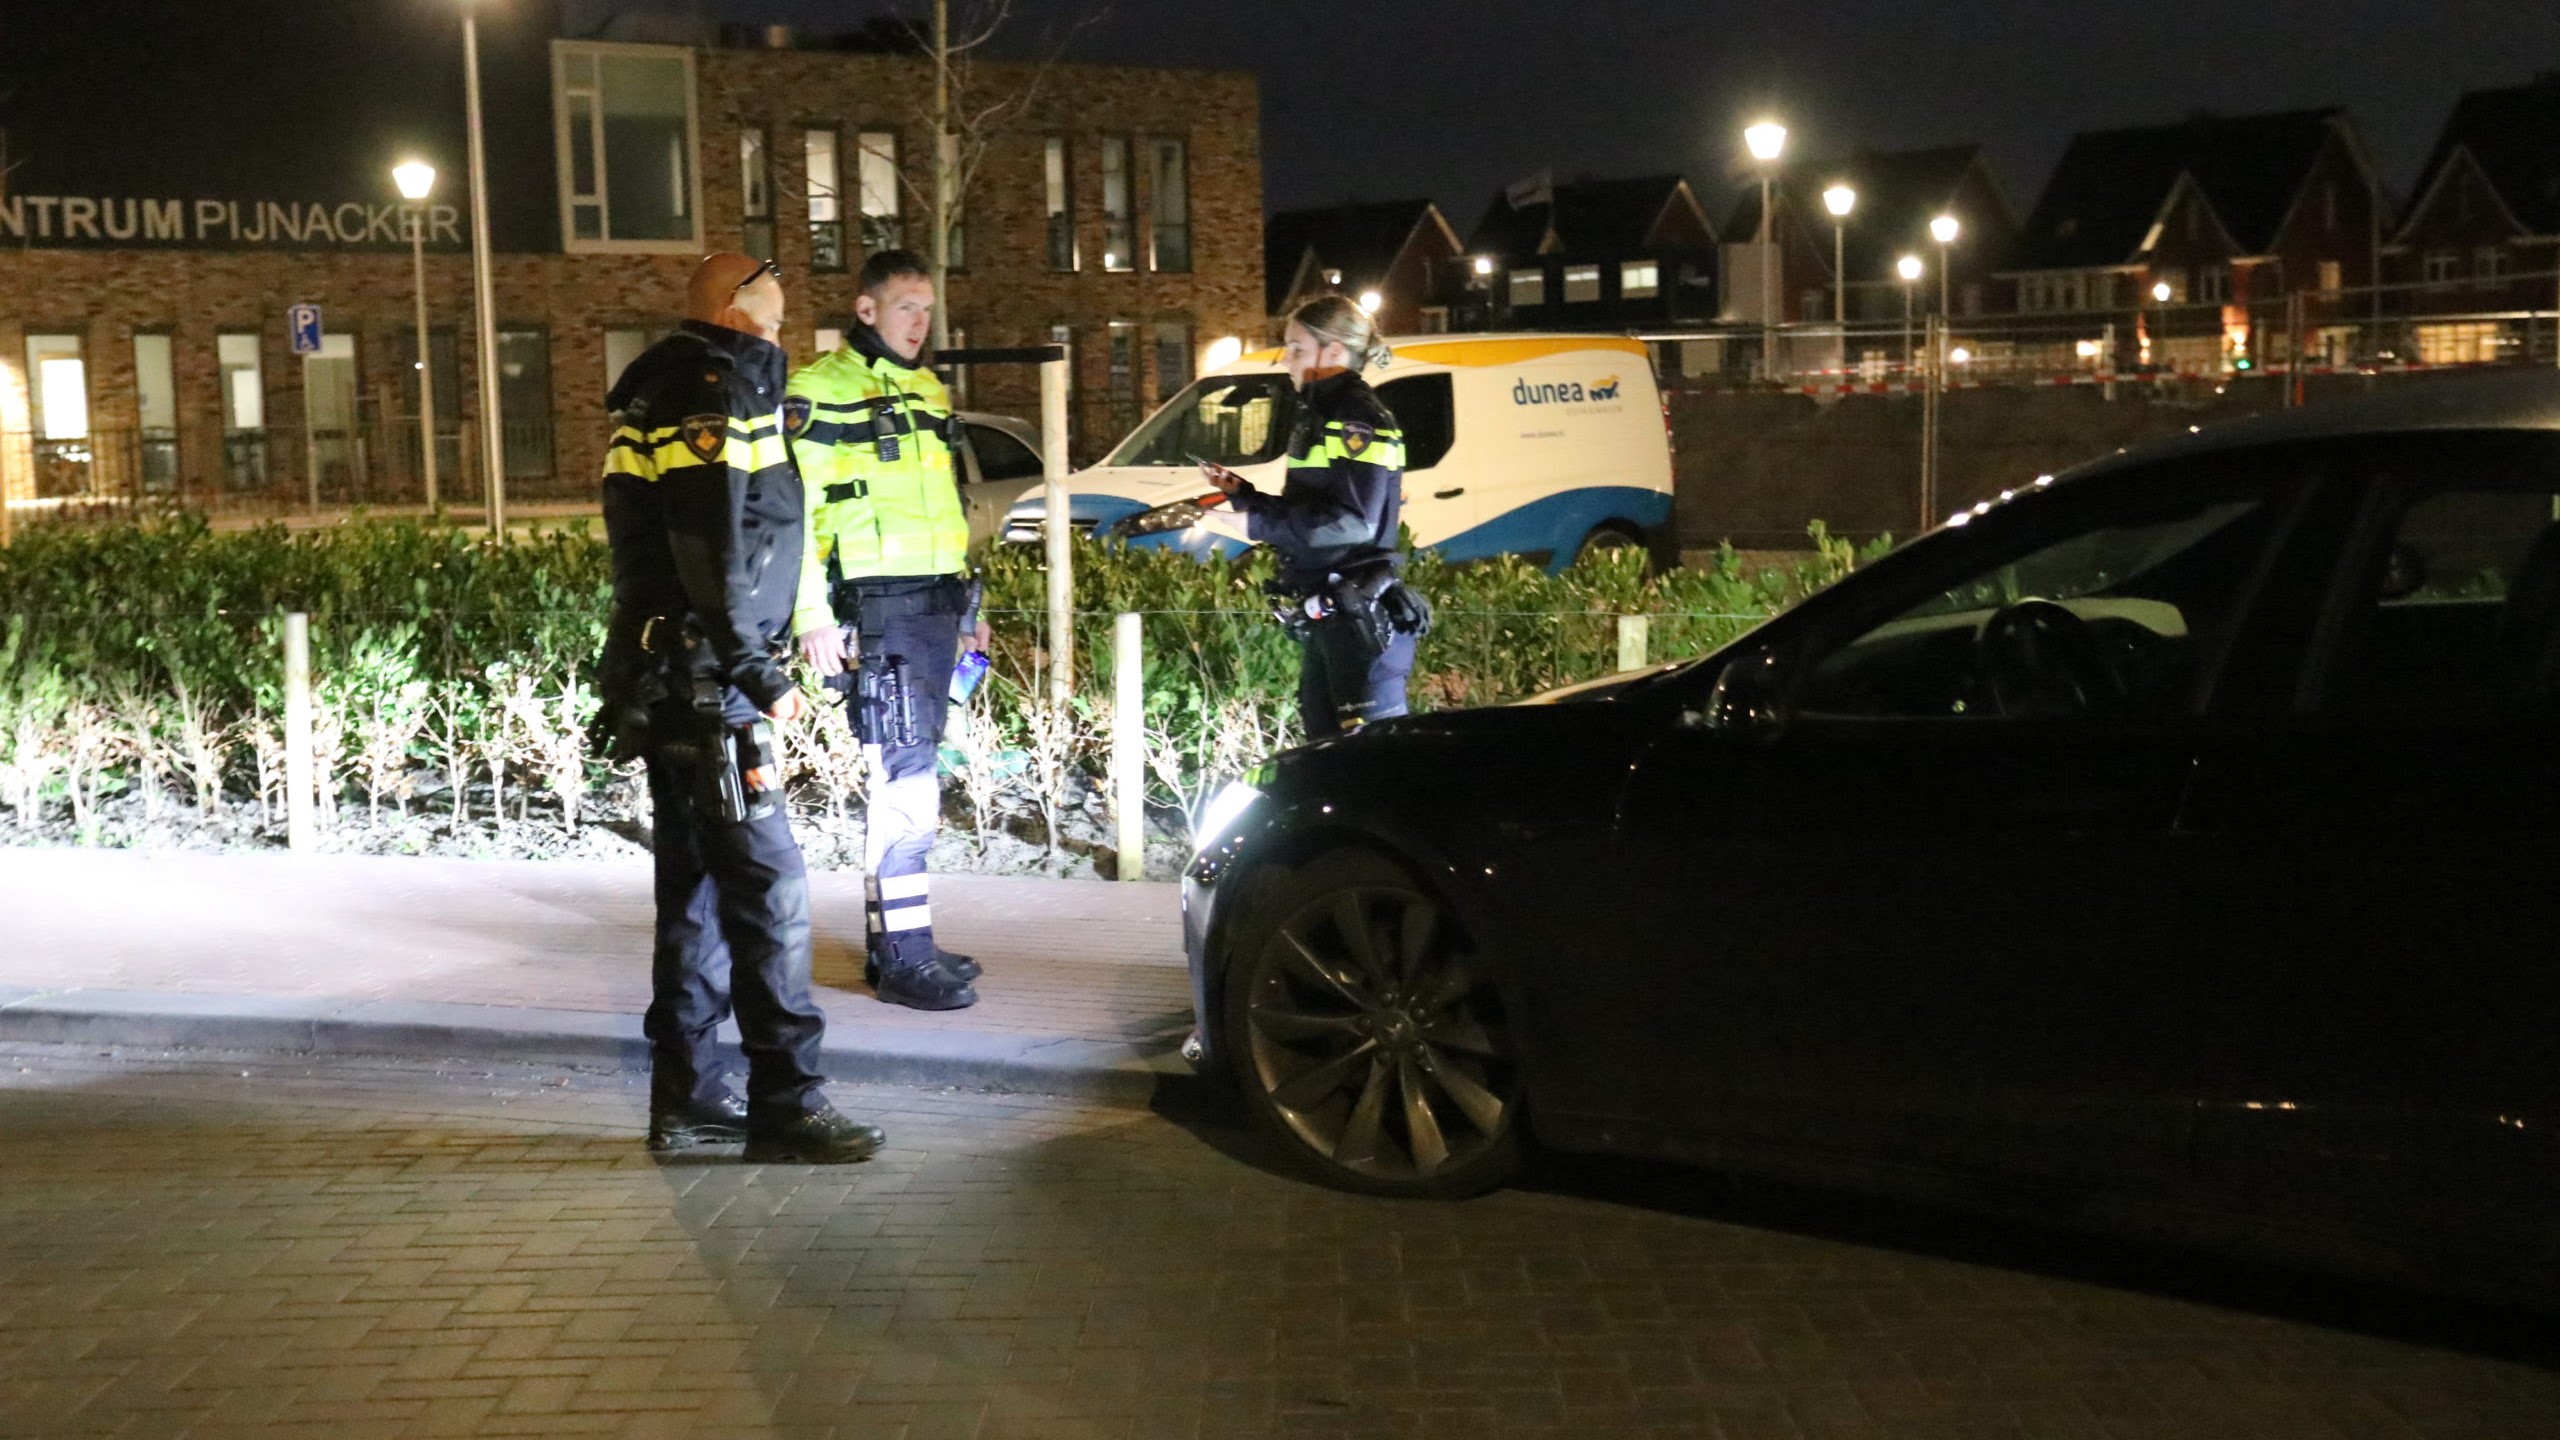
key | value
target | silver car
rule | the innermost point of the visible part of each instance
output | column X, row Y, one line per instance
column 998, row 464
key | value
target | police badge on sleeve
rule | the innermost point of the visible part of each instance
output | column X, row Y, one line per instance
column 795, row 415
column 705, row 434
column 1356, row 437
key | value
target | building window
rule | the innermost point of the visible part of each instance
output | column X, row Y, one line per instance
column 58, row 373
column 830, row 338
column 2480, row 342
column 1121, row 384
column 1173, row 357
column 881, row 229
column 1119, row 237
column 1169, row 202
column 244, row 409
column 1581, row 283
column 826, row 200
column 331, row 442
column 155, row 393
column 621, row 347
column 524, row 401
column 1435, row 319
column 2489, row 265
column 1528, row 289
column 2443, row 267
column 2333, row 277
column 755, row 193
column 447, row 359
column 956, row 378
column 1058, row 164
column 1639, row 280
column 2213, row 284
column 2098, row 291
column 626, row 140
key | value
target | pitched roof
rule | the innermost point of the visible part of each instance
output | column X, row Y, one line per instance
column 2514, row 134
column 1587, row 215
column 2112, row 184
column 1899, row 193
column 1359, row 238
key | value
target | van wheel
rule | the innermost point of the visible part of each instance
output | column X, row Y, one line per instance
column 1608, row 538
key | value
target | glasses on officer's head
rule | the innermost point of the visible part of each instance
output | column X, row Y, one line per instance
column 758, row 273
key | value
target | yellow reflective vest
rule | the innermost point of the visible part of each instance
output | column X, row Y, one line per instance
column 873, row 438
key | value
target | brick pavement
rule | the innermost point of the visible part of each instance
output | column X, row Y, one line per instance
column 397, row 1249
column 1071, row 960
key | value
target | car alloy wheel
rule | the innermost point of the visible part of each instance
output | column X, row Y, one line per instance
column 1374, row 1038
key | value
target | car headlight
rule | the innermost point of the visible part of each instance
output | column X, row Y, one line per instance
column 1224, row 809
column 1180, row 515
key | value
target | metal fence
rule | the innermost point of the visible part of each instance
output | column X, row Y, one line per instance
column 273, row 471
column 2369, row 330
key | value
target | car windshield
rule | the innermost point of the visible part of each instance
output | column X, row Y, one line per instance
column 1231, row 419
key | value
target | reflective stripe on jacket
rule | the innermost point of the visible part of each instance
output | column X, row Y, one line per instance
column 702, row 504
column 1342, row 499
column 873, row 439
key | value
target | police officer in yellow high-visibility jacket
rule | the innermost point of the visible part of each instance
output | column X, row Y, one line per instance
column 708, row 522
column 874, row 436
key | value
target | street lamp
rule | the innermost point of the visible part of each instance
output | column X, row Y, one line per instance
column 1767, row 140
column 1482, row 266
column 1370, row 300
column 417, row 180
column 1840, row 200
column 2159, row 343
column 1944, row 230
column 484, row 301
column 1909, row 268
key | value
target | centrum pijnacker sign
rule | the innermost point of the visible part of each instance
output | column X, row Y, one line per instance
column 101, row 220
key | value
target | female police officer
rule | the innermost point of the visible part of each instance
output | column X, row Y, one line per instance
column 1334, row 523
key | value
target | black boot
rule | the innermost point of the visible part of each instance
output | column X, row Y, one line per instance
column 925, row 986
column 962, row 967
column 824, row 1136
column 681, row 1127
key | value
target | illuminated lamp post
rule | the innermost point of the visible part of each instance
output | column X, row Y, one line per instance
column 1944, row 230
column 1909, row 268
column 1840, row 200
column 1767, row 140
column 417, row 180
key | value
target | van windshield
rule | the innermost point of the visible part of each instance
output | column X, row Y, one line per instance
column 1231, row 419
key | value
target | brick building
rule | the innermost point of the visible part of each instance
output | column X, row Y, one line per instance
column 151, row 245
column 2482, row 237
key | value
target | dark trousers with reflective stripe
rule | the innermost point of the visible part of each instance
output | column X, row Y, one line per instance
column 913, row 624
column 733, row 918
column 1341, row 684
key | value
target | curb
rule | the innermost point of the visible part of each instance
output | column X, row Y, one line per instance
column 1110, row 1073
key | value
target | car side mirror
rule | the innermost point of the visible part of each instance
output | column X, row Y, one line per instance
column 1746, row 699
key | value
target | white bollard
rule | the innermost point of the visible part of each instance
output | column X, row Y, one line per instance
column 1129, row 742
column 1632, row 631
column 301, row 821
column 1057, row 534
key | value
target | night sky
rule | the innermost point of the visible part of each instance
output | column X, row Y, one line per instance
column 1449, row 99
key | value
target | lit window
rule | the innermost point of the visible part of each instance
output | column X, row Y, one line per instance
column 1059, row 173
column 1528, row 289
column 1169, row 203
column 155, row 394
column 1581, row 283
column 621, row 347
column 60, row 373
column 1638, row 279
column 755, row 193
column 880, row 227
column 830, row 338
column 826, row 208
column 244, row 409
column 1119, row 235
column 2333, row 277
column 625, row 130
column 1123, row 378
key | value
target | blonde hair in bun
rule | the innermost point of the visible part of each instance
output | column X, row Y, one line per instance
column 1335, row 320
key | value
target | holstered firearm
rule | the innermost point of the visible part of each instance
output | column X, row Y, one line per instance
column 717, row 758
column 629, row 681
column 888, row 701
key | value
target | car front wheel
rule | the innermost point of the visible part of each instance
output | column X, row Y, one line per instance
column 1368, row 1035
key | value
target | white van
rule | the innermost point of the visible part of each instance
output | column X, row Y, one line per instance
column 1542, row 446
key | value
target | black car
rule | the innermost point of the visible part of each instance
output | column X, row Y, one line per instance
column 2172, row 843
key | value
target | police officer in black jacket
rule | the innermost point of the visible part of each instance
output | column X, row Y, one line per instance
column 706, row 515
column 1334, row 525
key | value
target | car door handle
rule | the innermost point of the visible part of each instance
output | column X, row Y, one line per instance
column 1448, row 494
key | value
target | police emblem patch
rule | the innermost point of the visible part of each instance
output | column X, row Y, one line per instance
column 705, row 434
column 795, row 414
column 1356, row 436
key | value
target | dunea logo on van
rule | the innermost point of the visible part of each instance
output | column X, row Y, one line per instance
column 1563, row 392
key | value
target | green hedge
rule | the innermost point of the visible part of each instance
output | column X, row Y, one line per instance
column 147, row 656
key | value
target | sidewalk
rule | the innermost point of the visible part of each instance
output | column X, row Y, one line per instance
column 1085, row 991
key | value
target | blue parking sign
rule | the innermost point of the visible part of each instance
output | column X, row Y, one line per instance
column 304, row 321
